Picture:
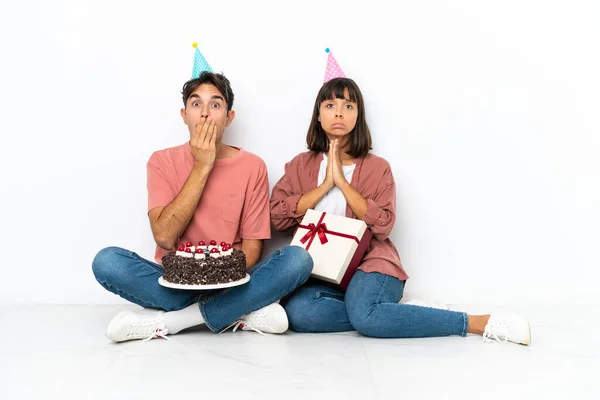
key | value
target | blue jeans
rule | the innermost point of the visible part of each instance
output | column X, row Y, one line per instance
column 369, row 306
column 136, row 279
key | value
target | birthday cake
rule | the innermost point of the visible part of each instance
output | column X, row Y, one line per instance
column 204, row 264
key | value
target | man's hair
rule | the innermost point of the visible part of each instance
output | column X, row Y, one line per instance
column 359, row 138
column 217, row 80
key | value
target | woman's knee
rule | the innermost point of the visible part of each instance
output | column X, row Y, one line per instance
column 363, row 325
column 366, row 293
column 361, row 318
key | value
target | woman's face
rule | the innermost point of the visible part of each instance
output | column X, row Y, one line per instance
column 338, row 116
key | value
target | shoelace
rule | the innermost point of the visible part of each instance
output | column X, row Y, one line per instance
column 488, row 333
column 148, row 330
column 158, row 332
column 242, row 324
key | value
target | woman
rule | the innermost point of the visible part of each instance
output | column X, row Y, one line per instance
column 338, row 175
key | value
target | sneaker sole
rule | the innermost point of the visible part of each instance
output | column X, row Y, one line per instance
column 528, row 338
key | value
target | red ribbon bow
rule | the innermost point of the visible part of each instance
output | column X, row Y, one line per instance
column 320, row 229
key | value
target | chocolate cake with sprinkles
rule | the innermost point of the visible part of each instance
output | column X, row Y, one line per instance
column 204, row 264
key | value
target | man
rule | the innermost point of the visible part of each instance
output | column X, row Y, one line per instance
column 204, row 189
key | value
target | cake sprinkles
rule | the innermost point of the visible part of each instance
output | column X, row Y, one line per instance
column 204, row 265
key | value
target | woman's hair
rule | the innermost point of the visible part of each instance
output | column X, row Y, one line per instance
column 359, row 138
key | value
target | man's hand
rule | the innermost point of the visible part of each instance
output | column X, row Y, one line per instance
column 203, row 145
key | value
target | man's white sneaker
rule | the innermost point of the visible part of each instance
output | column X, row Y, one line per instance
column 441, row 305
column 269, row 319
column 131, row 325
column 507, row 327
column 436, row 304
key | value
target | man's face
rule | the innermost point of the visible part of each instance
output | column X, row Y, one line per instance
column 204, row 101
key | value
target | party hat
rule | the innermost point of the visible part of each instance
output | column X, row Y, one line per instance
column 333, row 69
column 200, row 63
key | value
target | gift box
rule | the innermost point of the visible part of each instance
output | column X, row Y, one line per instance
column 336, row 244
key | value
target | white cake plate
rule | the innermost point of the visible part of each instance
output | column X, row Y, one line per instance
column 164, row 283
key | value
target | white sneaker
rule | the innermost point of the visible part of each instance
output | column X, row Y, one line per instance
column 436, row 304
column 507, row 327
column 269, row 319
column 441, row 305
column 131, row 325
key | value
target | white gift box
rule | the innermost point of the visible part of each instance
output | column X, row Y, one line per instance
column 336, row 244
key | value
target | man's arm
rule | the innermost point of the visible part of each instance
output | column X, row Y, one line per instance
column 169, row 222
column 252, row 248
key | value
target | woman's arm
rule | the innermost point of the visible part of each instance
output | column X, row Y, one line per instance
column 285, row 198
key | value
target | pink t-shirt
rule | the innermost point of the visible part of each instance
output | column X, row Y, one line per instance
column 235, row 201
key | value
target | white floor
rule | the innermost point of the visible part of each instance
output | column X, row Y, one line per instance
column 60, row 352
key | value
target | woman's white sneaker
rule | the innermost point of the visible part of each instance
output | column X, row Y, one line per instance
column 507, row 327
column 132, row 325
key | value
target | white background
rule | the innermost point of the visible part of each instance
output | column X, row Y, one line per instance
column 487, row 111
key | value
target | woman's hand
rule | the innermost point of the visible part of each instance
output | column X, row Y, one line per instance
column 328, row 183
column 336, row 164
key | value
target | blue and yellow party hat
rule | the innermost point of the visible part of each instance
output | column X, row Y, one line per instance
column 200, row 63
